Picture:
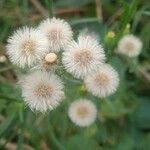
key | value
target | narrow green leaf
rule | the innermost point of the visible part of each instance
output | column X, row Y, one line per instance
column 49, row 5
column 7, row 125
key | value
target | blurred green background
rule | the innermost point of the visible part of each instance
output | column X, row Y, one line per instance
column 123, row 121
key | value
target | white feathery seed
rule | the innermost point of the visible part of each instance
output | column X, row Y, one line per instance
column 83, row 57
column 26, row 46
column 82, row 112
column 85, row 33
column 42, row 91
column 130, row 46
column 102, row 83
column 58, row 33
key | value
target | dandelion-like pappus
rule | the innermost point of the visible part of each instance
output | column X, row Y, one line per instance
column 52, row 54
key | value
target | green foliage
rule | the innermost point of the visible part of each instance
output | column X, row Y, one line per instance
column 123, row 121
column 141, row 114
column 68, row 3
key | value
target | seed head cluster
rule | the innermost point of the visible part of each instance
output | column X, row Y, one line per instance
column 84, row 58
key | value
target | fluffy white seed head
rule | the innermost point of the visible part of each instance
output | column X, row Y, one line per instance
column 42, row 91
column 102, row 83
column 83, row 57
column 82, row 112
column 58, row 33
column 27, row 46
column 130, row 46
column 85, row 33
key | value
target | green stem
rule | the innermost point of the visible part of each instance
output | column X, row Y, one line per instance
column 6, row 68
column 84, row 20
column 52, row 137
column 22, row 126
column 7, row 97
column 49, row 5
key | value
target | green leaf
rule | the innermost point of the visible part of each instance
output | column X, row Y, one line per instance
column 72, row 3
column 125, row 142
column 78, row 142
column 141, row 115
column 9, row 91
column 119, row 106
column 7, row 125
column 49, row 5
column 144, row 144
column 2, row 104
